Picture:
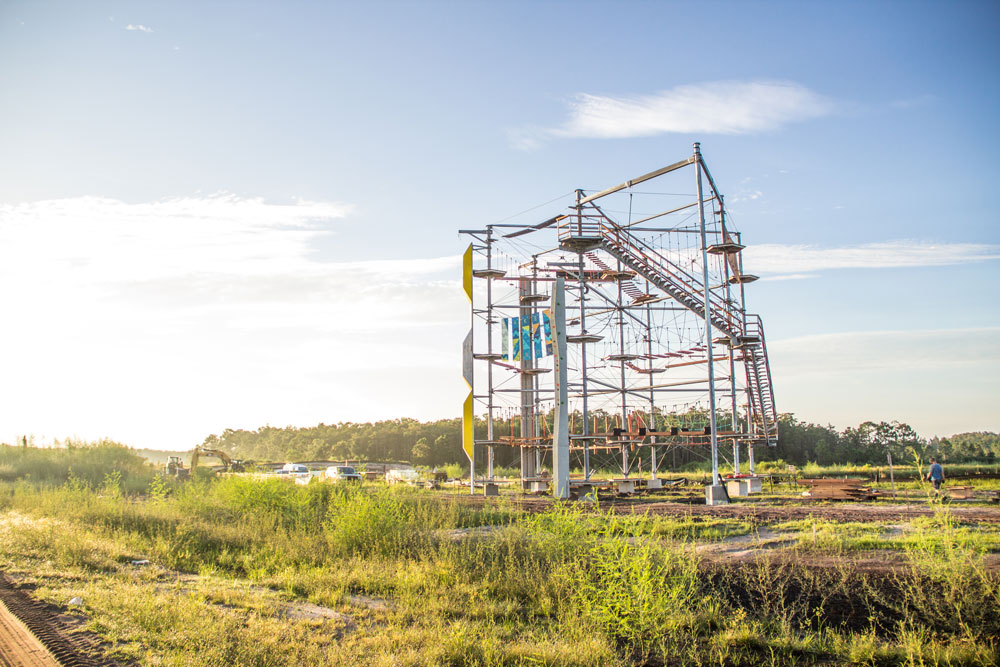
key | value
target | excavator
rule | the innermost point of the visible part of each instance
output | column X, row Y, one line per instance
column 175, row 466
column 229, row 464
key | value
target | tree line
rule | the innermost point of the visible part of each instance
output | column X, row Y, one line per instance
column 438, row 443
column 871, row 442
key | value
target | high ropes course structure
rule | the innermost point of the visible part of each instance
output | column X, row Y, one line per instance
column 659, row 350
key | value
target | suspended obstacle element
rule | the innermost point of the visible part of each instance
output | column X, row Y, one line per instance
column 663, row 352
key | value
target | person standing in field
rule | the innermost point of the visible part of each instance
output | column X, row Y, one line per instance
column 936, row 475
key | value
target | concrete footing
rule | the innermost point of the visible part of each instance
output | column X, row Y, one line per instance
column 491, row 489
column 625, row 486
column 654, row 483
column 755, row 484
column 538, row 487
column 715, row 494
column 738, row 487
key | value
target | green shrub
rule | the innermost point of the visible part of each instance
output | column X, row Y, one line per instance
column 87, row 462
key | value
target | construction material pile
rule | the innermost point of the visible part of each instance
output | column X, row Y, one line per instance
column 837, row 489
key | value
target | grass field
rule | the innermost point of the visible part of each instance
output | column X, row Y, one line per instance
column 252, row 572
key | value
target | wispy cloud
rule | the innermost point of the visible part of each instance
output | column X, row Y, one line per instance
column 220, row 307
column 807, row 259
column 107, row 239
column 744, row 194
column 791, row 276
column 857, row 351
column 940, row 381
column 719, row 107
column 139, row 27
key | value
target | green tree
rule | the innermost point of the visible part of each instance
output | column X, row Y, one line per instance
column 421, row 451
column 343, row 450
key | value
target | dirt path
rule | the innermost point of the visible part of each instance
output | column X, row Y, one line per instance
column 18, row 647
column 33, row 634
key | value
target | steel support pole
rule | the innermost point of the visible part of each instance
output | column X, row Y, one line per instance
column 489, row 352
column 708, row 323
column 620, row 306
column 536, row 408
column 652, row 393
column 743, row 315
column 560, row 435
column 583, row 345
column 734, row 421
column 469, row 371
column 528, row 468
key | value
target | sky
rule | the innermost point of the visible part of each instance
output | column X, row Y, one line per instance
column 230, row 214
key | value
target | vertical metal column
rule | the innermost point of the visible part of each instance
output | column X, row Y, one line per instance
column 621, row 363
column 583, row 345
column 732, row 362
column 489, row 353
column 560, row 431
column 652, row 392
column 708, row 319
column 528, row 468
column 743, row 314
column 535, row 380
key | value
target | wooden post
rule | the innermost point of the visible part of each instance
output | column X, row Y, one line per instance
column 892, row 478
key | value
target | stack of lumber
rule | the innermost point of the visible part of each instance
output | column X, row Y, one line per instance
column 837, row 489
column 961, row 492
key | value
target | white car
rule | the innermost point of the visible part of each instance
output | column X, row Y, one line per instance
column 342, row 473
column 298, row 472
column 403, row 476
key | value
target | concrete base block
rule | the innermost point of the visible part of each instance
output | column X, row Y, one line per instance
column 716, row 495
column 654, row 483
column 755, row 484
column 627, row 486
column 491, row 489
column 580, row 491
column 737, row 487
column 538, row 487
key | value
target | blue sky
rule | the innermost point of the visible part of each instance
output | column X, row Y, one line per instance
column 226, row 214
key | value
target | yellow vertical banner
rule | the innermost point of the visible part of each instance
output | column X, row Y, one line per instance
column 467, row 272
column 468, row 432
column 468, row 408
column 468, row 424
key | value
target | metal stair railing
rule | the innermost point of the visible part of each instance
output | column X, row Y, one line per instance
column 582, row 225
column 668, row 276
column 758, row 372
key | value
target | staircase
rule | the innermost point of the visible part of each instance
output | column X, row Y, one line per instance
column 595, row 230
column 627, row 285
column 764, row 416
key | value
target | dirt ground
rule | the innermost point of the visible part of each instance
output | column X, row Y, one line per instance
column 766, row 545
column 33, row 634
column 18, row 647
column 790, row 510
